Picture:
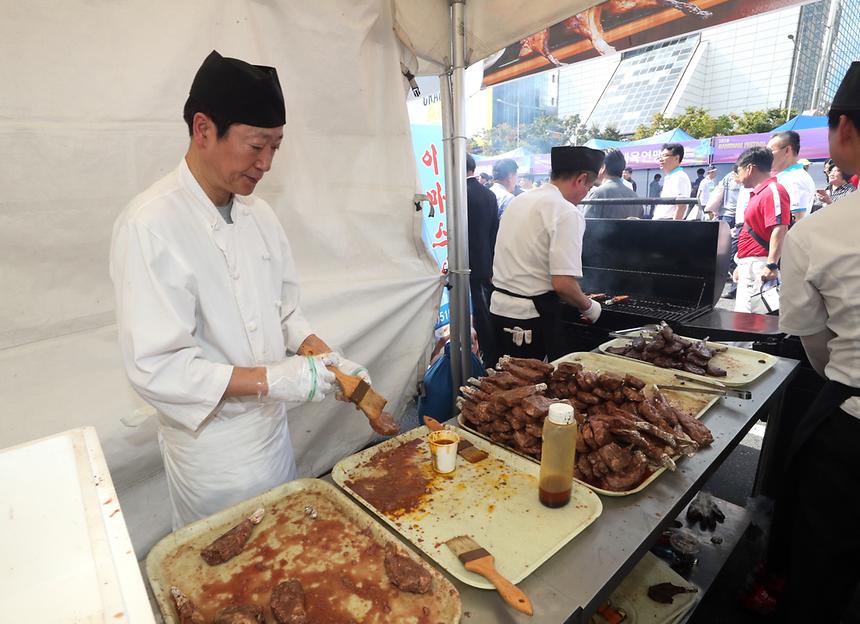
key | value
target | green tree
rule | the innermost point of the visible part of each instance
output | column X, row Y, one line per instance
column 495, row 140
column 611, row 133
column 753, row 122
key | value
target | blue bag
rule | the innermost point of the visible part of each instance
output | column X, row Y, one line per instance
column 438, row 394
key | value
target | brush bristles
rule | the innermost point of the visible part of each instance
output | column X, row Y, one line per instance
column 372, row 402
column 465, row 545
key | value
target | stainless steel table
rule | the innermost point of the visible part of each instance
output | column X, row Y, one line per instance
column 580, row 577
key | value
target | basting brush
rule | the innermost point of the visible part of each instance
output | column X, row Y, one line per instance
column 476, row 559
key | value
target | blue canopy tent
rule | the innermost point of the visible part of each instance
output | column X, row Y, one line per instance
column 802, row 122
column 670, row 136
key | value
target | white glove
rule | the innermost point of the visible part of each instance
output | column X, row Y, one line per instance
column 592, row 313
column 301, row 378
column 352, row 368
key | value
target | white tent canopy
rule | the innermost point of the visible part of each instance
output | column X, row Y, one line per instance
column 90, row 115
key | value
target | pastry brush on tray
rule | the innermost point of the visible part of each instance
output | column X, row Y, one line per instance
column 476, row 559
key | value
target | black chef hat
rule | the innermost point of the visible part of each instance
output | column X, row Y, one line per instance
column 848, row 94
column 239, row 92
column 568, row 159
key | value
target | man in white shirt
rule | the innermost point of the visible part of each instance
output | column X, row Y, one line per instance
column 816, row 518
column 207, row 301
column 706, row 187
column 538, row 258
column 504, row 182
column 676, row 183
column 627, row 178
column 791, row 174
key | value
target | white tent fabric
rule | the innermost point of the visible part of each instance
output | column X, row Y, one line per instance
column 90, row 115
column 490, row 26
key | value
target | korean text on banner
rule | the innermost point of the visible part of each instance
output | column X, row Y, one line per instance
column 427, row 144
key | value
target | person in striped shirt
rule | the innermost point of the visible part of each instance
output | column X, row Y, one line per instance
column 766, row 220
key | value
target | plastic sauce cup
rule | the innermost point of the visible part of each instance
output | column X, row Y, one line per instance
column 443, row 450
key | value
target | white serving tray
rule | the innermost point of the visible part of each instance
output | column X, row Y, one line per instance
column 742, row 366
column 493, row 501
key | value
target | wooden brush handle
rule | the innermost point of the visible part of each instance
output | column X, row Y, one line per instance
column 513, row 595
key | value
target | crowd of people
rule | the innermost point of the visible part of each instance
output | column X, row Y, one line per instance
column 725, row 199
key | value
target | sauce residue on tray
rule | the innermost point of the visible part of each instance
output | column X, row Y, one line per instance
column 398, row 481
column 339, row 564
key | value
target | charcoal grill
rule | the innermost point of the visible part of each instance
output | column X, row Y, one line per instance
column 671, row 271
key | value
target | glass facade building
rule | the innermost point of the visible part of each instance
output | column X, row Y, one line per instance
column 642, row 84
column 530, row 97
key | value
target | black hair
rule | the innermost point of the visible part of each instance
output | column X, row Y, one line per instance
column 614, row 162
column 676, row 149
column 791, row 138
column 700, row 171
column 835, row 113
column 470, row 163
column 192, row 106
column 504, row 168
column 628, row 170
column 759, row 157
column 657, row 176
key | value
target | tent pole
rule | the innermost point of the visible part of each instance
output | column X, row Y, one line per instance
column 458, row 222
column 445, row 97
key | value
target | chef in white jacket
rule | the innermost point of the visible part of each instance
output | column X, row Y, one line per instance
column 207, row 301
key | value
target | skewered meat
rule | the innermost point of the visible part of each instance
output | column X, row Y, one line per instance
column 185, row 607
column 699, row 433
column 610, row 382
column 526, row 373
column 406, row 574
column 500, row 381
column 536, row 406
column 631, row 476
column 525, row 440
column 666, row 350
column 240, row 614
column 515, row 395
column 537, row 365
column 634, row 382
column 623, row 434
column 231, row 543
column 288, row 603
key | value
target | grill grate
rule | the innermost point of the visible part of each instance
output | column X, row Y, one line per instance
column 660, row 310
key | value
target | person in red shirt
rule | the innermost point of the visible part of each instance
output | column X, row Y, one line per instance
column 766, row 221
column 855, row 180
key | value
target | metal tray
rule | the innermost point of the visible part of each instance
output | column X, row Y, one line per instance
column 338, row 557
column 491, row 501
column 692, row 403
column 742, row 366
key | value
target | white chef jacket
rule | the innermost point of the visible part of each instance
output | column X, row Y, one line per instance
column 800, row 187
column 540, row 235
column 675, row 184
column 820, row 272
column 194, row 298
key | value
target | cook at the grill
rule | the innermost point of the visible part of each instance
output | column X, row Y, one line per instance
column 208, row 300
column 538, row 258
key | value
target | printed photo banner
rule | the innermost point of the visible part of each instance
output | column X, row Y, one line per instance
column 615, row 26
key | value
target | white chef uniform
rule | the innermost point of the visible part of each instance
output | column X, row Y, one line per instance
column 820, row 289
column 540, row 235
column 195, row 297
column 675, row 184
